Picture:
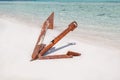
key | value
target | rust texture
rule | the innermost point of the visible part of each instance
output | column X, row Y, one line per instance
column 40, row 48
column 48, row 24
column 55, row 57
column 69, row 54
column 73, row 53
column 51, row 21
column 71, row 27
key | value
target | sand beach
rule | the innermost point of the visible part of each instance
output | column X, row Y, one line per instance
column 99, row 60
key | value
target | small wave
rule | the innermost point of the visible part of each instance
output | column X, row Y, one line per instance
column 101, row 14
column 63, row 9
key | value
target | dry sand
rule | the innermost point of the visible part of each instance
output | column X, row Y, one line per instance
column 17, row 42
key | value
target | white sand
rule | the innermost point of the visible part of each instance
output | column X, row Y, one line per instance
column 17, row 42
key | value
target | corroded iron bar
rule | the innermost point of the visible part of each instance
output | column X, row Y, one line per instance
column 69, row 54
column 51, row 21
column 48, row 24
column 55, row 57
column 73, row 53
column 71, row 27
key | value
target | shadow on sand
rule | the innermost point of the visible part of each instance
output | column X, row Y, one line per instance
column 56, row 49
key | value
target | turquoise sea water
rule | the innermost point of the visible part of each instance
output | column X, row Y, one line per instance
column 103, row 19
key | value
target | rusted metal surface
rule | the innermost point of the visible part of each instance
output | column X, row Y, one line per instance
column 40, row 48
column 35, row 52
column 69, row 54
column 71, row 27
column 55, row 57
column 73, row 53
column 48, row 24
column 51, row 21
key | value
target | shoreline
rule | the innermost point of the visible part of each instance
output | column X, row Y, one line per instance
column 97, row 38
column 86, row 36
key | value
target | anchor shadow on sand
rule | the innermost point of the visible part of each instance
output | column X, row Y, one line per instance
column 56, row 49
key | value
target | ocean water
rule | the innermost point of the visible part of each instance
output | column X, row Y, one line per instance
column 98, row 21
